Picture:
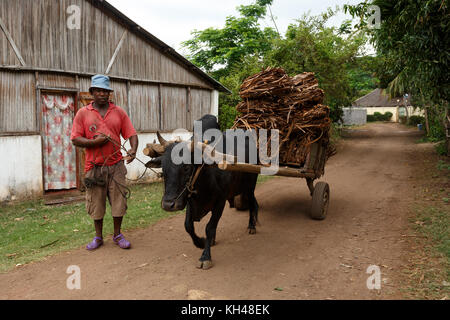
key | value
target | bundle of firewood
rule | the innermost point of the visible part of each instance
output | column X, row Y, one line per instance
column 293, row 105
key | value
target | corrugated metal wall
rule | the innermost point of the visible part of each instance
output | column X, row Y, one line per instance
column 17, row 103
column 53, row 80
column 144, row 107
column 151, row 80
column 39, row 29
column 173, row 101
column 179, row 106
column 200, row 104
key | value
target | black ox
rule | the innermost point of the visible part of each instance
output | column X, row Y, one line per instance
column 210, row 191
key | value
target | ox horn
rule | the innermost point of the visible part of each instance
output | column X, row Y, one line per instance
column 161, row 140
column 212, row 151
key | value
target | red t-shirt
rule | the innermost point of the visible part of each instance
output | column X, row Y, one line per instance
column 89, row 123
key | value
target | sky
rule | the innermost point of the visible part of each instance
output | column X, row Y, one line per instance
column 172, row 21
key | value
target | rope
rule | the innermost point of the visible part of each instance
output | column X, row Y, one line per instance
column 101, row 182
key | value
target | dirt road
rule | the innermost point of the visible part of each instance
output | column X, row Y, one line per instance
column 290, row 257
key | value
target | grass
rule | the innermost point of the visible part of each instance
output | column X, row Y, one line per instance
column 434, row 224
column 427, row 272
column 32, row 231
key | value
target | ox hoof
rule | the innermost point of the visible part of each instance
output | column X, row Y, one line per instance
column 205, row 265
column 251, row 230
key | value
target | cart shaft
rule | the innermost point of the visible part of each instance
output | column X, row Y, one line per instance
column 253, row 168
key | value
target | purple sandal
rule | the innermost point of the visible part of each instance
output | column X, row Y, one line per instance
column 95, row 244
column 121, row 241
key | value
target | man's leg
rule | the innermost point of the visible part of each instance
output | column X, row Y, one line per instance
column 98, row 228
column 117, row 225
column 118, row 199
column 96, row 207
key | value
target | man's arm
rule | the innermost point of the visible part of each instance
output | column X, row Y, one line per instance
column 134, row 142
column 90, row 143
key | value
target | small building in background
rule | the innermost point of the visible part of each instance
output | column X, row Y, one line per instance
column 379, row 101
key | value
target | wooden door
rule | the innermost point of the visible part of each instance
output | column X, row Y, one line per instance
column 59, row 155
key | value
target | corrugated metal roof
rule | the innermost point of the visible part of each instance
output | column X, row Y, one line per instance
column 378, row 98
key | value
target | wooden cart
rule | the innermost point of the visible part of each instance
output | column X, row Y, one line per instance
column 313, row 169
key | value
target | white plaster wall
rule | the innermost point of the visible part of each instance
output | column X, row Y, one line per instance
column 354, row 116
column 137, row 168
column 394, row 110
column 215, row 103
column 20, row 167
column 382, row 110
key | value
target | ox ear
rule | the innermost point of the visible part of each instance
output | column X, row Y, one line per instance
column 154, row 163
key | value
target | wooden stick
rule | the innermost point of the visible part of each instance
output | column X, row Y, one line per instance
column 253, row 168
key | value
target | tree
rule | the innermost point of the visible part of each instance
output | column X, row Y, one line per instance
column 218, row 50
column 413, row 44
column 334, row 57
column 242, row 48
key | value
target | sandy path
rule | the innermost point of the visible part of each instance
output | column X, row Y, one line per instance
column 370, row 182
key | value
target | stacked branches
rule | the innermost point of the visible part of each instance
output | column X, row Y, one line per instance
column 293, row 105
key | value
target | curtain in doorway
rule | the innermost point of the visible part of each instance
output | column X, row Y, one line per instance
column 59, row 153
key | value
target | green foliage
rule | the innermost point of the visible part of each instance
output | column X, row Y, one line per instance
column 227, row 116
column 435, row 223
column 443, row 166
column 388, row 116
column 415, row 120
column 412, row 44
column 240, row 37
column 233, row 81
column 378, row 116
column 441, row 148
column 403, row 119
column 362, row 76
column 312, row 46
column 242, row 48
column 436, row 116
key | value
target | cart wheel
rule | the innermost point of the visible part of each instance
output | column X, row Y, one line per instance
column 320, row 201
column 241, row 202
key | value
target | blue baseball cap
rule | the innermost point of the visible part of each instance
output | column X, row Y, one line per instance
column 100, row 81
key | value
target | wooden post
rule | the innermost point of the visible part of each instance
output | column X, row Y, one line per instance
column 160, row 120
column 116, row 52
column 189, row 123
column 12, row 43
column 128, row 97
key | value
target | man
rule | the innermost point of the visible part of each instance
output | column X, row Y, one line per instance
column 97, row 128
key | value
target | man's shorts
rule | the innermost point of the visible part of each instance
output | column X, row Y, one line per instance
column 114, row 189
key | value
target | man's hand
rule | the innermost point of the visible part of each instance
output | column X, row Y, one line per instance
column 83, row 142
column 100, row 139
column 131, row 155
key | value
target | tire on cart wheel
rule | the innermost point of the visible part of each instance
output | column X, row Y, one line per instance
column 320, row 201
column 241, row 202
